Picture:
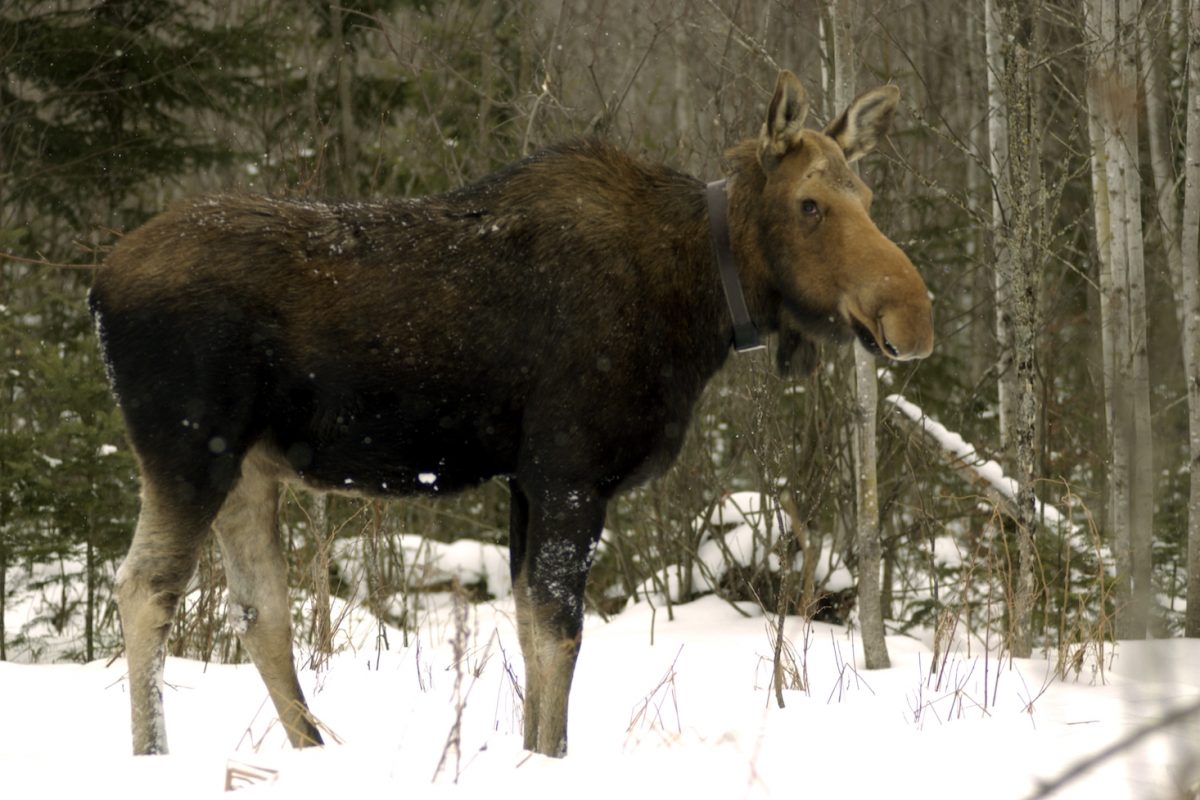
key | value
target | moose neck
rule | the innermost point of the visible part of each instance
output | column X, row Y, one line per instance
column 745, row 334
column 744, row 190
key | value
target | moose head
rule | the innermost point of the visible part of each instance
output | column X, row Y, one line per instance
column 802, row 225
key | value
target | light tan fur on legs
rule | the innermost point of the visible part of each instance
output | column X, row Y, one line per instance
column 151, row 580
column 549, row 668
column 256, row 573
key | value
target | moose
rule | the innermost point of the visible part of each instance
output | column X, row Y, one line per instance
column 552, row 324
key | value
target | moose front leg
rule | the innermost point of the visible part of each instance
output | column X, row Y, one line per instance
column 553, row 535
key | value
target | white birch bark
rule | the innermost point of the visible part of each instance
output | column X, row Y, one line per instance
column 978, row 191
column 1116, row 163
column 1110, row 32
column 1111, row 327
column 997, row 131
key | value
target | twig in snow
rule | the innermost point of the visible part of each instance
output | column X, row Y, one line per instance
column 454, row 736
column 652, row 718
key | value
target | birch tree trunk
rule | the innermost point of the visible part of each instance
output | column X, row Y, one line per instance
column 1111, row 323
column 1190, row 298
column 1014, row 150
column 1142, row 477
column 835, row 28
column 1111, row 35
column 979, row 189
column 998, row 158
column 1179, row 239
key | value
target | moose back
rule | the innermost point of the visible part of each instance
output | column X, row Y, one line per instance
column 553, row 324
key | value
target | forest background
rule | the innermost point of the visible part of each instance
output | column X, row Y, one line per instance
column 1043, row 174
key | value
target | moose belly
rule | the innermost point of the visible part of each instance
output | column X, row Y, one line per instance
column 390, row 443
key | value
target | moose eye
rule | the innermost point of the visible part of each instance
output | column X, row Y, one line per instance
column 809, row 208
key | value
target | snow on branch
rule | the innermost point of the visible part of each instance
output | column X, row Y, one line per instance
column 987, row 471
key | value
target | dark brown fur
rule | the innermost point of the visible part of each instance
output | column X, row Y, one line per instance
column 553, row 323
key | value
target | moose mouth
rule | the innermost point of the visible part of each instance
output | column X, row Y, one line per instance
column 875, row 346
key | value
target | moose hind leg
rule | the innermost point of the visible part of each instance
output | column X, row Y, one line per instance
column 256, row 573
column 151, row 579
column 518, row 532
column 550, row 579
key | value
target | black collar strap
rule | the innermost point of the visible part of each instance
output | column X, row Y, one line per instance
column 745, row 335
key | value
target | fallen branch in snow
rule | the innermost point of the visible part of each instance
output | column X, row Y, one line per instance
column 454, row 736
column 241, row 774
column 999, row 489
column 1001, row 492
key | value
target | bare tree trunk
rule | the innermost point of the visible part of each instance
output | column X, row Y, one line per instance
column 347, row 136
column 977, row 191
column 998, row 158
column 322, row 539
column 5, row 505
column 1141, row 478
column 1112, row 99
column 1157, row 125
column 492, row 14
column 89, row 606
column 9, row 422
column 1190, row 284
column 1014, row 146
column 835, row 28
column 1111, row 323
column 1180, row 248
column 1023, row 154
column 3, row 602
column 1179, row 35
column 866, row 493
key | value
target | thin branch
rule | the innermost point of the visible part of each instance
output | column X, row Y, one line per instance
column 744, row 39
column 1176, row 717
column 43, row 261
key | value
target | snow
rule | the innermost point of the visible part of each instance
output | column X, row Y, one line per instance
column 946, row 551
column 430, row 564
column 658, row 706
column 742, row 508
column 680, row 703
column 51, row 461
column 745, row 528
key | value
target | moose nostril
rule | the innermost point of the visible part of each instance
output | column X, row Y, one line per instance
column 890, row 348
column 885, row 342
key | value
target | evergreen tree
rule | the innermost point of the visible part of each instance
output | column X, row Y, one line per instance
column 100, row 103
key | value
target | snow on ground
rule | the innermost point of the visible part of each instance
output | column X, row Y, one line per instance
column 676, row 708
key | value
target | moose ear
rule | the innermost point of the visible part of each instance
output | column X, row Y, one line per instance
column 865, row 122
column 785, row 120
